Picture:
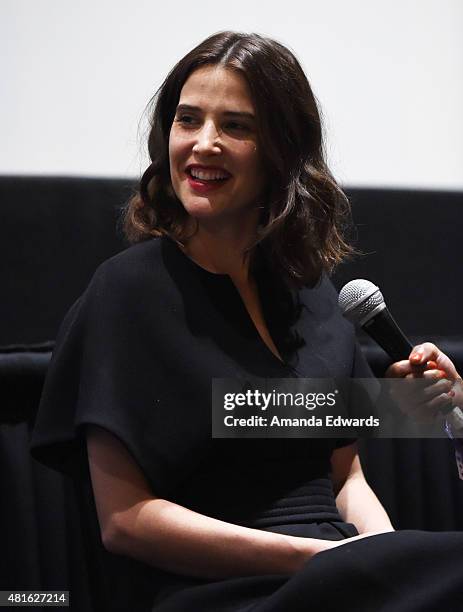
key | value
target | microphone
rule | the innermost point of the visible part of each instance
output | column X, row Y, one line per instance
column 362, row 303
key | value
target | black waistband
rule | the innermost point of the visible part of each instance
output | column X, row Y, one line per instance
column 311, row 502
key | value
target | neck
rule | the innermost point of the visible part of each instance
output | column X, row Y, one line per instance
column 222, row 250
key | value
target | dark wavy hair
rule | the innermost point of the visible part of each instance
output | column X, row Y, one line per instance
column 305, row 213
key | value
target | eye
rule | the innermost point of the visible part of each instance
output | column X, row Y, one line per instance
column 185, row 120
column 234, row 125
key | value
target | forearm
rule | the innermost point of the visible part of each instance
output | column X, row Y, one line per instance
column 178, row 540
column 358, row 504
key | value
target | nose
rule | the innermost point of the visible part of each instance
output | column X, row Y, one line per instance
column 207, row 140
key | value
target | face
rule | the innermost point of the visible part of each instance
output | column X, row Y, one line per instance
column 216, row 166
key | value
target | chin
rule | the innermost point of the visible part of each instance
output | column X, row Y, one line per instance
column 199, row 210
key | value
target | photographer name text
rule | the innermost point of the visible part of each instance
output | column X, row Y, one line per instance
column 327, row 420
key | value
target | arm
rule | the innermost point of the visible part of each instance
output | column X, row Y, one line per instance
column 135, row 523
column 355, row 499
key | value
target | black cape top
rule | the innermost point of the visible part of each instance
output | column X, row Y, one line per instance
column 136, row 355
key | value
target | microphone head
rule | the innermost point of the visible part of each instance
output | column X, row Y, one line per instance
column 359, row 300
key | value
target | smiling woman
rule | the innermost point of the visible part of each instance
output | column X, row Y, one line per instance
column 242, row 104
column 238, row 221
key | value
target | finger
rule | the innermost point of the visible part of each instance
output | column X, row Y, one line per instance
column 433, row 375
column 399, row 369
column 419, row 369
column 437, row 408
column 421, row 353
column 414, row 398
column 428, row 352
column 422, row 371
column 436, row 389
column 444, row 363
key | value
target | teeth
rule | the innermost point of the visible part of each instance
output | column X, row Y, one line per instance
column 207, row 175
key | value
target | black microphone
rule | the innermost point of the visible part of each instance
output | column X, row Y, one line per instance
column 362, row 303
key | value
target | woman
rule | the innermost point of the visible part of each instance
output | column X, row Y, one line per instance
column 237, row 221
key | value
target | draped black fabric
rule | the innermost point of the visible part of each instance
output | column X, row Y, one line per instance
column 136, row 355
column 137, row 352
column 408, row 571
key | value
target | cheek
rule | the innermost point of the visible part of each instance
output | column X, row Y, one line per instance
column 171, row 154
column 176, row 161
column 246, row 156
column 252, row 161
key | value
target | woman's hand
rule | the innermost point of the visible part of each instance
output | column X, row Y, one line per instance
column 317, row 546
column 443, row 390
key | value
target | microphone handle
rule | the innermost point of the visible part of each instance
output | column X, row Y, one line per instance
column 396, row 344
column 384, row 330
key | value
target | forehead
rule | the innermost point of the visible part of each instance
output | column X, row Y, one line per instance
column 211, row 87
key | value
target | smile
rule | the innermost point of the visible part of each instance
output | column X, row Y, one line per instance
column 202, row 186
column 207, row 174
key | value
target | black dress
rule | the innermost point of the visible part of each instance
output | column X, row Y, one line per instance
column 136, row 355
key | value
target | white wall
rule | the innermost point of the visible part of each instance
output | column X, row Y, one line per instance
column 389, row 75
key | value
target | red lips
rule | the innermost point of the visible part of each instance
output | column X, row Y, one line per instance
column 202, row 187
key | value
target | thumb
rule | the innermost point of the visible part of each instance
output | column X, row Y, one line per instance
column 444, row 363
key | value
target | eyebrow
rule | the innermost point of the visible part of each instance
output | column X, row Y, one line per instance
column 243, row 114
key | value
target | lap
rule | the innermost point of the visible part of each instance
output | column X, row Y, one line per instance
column 398, row 571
